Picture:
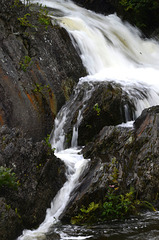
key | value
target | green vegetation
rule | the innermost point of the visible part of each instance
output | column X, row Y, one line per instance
column 39, row 88
column 87, row 215
column 139, row 5
column 24, row 21
column 113, row 206
column 25, row 63
column 41, row 13
column 17, row 3
column 43, row 17
column 97, row 109
column 47, row 142
column 118, row 206
column 143, row 13
column 8, row 178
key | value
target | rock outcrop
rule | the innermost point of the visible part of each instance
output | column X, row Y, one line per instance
column 40, row 175
column 123, row 157
column 38, row 69
column 95, row 105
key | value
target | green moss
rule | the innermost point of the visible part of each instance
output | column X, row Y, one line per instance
column 67, row 87
column 25, row 63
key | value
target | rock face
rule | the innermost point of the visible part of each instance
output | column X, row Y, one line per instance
column 95, row 105
column 124, row 157
column 38, row 69
column 108, row 105
column 40, row 175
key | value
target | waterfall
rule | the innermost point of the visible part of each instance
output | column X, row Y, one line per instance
column 111, row 51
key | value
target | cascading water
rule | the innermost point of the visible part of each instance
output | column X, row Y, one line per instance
column 110, row 51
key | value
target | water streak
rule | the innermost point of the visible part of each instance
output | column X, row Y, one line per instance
column 111, row 51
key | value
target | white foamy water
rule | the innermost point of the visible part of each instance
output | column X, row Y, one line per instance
column 111, row 51
column 76, row 164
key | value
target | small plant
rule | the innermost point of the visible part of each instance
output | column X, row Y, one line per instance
column 44, row 18
column 8, row 178
column 87, row 214
column 115, row 206
column 17, row 213
column 39, row 88
column 24, row 21
column 25, row 63
column 97, row 109
column 47, row 142
column 16, row 3
column 118, row 206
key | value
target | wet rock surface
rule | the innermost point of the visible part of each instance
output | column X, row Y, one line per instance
column 40, row 175
column 38, row 69
column 123, row 157
column 106, row 107
column 95, row 105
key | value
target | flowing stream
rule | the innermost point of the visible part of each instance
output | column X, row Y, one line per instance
column 110, row 51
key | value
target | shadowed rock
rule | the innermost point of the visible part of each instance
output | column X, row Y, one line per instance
column 38, row 69
column 123, row 157
column 40, row 175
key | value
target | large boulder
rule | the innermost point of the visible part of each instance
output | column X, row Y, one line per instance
column 40, row 175
column 95, row 105
column 123, row 157
column 108, row 105
column 38, row 68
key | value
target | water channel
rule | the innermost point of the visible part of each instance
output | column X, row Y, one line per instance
column 110, row 51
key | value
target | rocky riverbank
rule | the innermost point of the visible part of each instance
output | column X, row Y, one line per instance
column 124, row 158
column 38, row 69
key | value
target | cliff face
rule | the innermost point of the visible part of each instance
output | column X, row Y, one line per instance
column 38, row 69
column 39, row 174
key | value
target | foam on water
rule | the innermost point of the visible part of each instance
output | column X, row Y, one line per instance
column 111, row 51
